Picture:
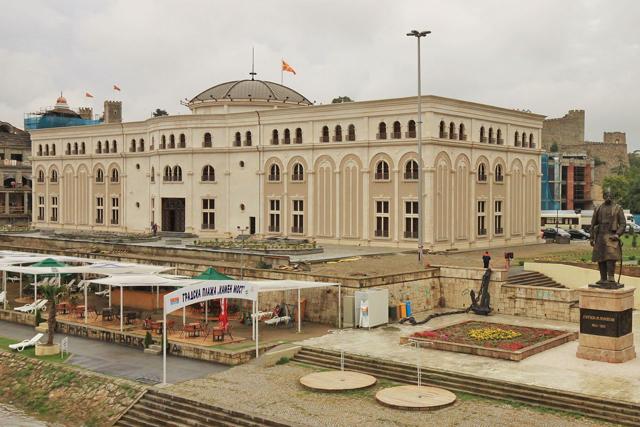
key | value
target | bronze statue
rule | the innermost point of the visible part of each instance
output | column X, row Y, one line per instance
column 607, row 225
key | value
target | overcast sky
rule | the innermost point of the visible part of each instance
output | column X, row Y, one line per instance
column 547, row 56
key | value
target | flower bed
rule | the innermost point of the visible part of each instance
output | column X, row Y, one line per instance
column 492, row 339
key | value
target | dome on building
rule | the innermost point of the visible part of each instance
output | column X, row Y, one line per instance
column 61, row 100
column 252, row 91
column 62, row 109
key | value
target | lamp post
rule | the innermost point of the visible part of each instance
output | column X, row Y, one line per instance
column 242, row 230
column 418, row 35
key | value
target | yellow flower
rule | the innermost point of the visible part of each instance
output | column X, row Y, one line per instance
column 491, row 334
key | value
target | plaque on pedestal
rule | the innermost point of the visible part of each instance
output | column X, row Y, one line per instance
column 606, row 325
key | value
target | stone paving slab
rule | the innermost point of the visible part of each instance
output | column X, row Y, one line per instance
column 557, row 368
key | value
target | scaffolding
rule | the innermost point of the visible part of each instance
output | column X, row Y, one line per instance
column 42, row 120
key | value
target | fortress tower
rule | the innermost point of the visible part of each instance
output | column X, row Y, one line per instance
column 112, row 111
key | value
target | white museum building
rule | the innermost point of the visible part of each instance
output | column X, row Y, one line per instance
column 260, row 155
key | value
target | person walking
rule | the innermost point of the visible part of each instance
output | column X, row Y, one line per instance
column 486, row 258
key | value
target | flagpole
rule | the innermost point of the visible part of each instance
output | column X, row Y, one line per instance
column 281, row 72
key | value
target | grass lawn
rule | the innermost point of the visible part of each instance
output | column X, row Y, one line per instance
column 577, row 252
column 30, row 351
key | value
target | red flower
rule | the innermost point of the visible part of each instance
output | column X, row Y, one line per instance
column 511, row 346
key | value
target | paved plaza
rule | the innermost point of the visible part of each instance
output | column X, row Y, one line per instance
column 119, row 360
column 558, row 368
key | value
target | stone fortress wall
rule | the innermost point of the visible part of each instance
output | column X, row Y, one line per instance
column 568, row 133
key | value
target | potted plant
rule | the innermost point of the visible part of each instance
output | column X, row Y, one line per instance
column 51, row 293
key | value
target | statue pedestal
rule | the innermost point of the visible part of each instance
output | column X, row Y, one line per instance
column 606, row 317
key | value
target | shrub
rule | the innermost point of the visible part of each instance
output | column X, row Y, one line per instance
column 632, row 257
column 282, row 360
column 263, row 265
column 148, row 340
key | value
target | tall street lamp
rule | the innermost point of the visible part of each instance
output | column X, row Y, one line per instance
column 418, row 35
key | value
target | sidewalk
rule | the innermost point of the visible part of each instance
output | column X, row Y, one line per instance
column 119, row 360
column 557, row 368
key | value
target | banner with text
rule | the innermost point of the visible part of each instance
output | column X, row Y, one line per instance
column 204, row 290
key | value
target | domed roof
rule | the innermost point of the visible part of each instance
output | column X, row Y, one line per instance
column 61, row 100
column 253, row 90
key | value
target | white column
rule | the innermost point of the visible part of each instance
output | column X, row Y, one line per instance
column 396, row 202
column 109, row 296
column 428, row 221
column 4, row 289
column 299, row 313
column 311, row 231
column 365, row 204
column 86, row 287
column 21, row 284
column 257, row 328
column 35, row 287
column 338, row 206
column 164, row 347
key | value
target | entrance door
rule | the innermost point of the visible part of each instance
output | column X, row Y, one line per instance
column 252, row 225
column 173, row 214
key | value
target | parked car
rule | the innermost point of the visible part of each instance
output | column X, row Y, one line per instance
column 552, row 233
column 579, row 234
column 632, row 228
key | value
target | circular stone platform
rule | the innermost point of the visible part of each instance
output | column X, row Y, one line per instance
column 337, row 381
column 415, row 398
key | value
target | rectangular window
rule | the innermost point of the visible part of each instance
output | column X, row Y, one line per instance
column 115, row 211
column 382, row 218
column 54, row 209
column 497, row 217
column 411, row 220
column 99, row 210
column 482, row 229
column 274, row 216
column 208, row 214
column 298, row 217
column 41, row 210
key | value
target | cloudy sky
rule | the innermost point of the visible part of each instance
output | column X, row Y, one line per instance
column 547, row 56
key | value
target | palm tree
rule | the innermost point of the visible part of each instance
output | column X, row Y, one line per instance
column 51, row 293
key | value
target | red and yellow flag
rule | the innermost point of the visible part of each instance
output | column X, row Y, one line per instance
column 116, row 87
column 288, row 68
column 88, row 95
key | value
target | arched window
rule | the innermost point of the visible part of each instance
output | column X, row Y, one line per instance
column 115, row 176
column 247, row 139
column 382, row 170
column 462, row 135
column 68, row 150
column 237, row 141
column 516, row 139
column 411, row 129
column 141, row 145
column 382, row 131
column 338, row 134
column 274, row 172
column 298, row 136
column 499, row 137
column 452, row 131
column 172, row 141
column 177, row 173
column 524, row 139
column 287, row 136
column 498, row 175
column 443, row 130
column 275, row 139
column 482, row 173
column 114, row 146
column 54, row 175
column 40, row 175
column 132, row 148
column 168, row 173
column 325, row 134
column 83, row 148
column 208, row 173
column 53, row 149
column 153, row 143
column 99, row 147
column 39, row 149
column 492, row 139
column 106, row 146
column 75, row 148
column 46, row 149
column 207, row 140
column 411, row 170
column 99, row 176
column 298, row 172
column 397, row 130
column 183, row 141
column 351, row 133
column 483, row 138
column 163, row 142
column 153, row 174
column 531, row 143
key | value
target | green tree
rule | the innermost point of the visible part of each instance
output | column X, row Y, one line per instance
column 618, row 185
column 159, row 112
column 52, row 293
column 341, row 99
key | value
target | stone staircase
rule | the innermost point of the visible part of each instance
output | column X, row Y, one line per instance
column 532, row 278
column 156, row 408
column 617, row 412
